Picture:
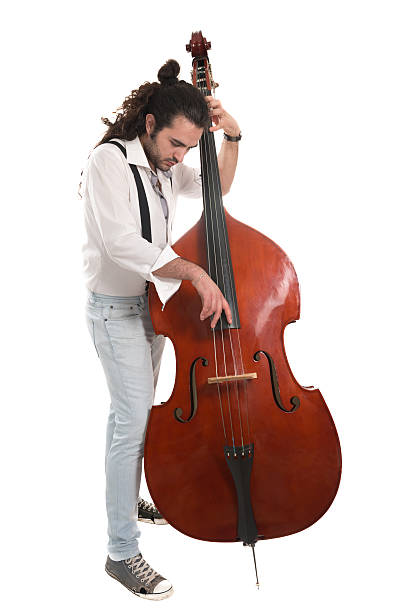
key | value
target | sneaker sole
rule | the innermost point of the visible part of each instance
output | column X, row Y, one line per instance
column 156, row 522
column 154, row 596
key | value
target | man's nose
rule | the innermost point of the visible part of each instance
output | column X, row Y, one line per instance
column 179, row 155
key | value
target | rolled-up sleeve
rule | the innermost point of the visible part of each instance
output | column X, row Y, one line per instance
column 109, row 194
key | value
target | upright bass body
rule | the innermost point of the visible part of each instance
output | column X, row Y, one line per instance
column 285, row 428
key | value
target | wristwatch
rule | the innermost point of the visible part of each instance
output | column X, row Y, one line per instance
column 232, row 138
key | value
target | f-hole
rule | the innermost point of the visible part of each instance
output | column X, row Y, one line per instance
column 193, row 393
column 295, row 401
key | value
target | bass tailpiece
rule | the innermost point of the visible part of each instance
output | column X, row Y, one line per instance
column 239, row 460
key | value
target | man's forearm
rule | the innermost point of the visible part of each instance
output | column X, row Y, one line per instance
column 181, row 269
column 227, row 163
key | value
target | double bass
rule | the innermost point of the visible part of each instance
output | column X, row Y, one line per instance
column 239, row 441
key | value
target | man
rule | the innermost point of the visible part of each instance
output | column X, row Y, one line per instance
column 158, row 125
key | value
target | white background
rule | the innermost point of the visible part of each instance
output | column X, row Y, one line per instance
column 319, row 90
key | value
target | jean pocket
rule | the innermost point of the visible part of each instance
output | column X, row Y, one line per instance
column 123, row 312
column 124, row 320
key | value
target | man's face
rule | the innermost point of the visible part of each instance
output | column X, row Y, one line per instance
column 168, row 146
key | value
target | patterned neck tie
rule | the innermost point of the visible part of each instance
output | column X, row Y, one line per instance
column 157, row 188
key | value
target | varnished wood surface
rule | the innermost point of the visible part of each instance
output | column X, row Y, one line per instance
column 297, row 458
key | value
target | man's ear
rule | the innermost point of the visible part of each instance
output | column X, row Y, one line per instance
column 150, row 124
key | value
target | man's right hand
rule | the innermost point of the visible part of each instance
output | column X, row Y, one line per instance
column 212, row 299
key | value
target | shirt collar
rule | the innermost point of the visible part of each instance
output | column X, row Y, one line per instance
column 136, row 155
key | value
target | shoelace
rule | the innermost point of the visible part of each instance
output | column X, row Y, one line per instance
column 147, row 506
column 142, row 569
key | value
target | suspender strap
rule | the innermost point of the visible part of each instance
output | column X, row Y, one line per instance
column 143, row 205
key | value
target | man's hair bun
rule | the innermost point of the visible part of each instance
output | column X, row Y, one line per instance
column 169, row 72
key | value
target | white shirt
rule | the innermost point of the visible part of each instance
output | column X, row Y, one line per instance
column 117, row 260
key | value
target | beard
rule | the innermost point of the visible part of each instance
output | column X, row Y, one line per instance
column 153, row 153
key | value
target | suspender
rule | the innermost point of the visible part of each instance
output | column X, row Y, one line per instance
column 144, row 207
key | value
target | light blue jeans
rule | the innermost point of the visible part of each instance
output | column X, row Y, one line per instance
column 130, row 353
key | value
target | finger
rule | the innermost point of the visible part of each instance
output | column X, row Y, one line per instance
column 216, row 115
column 203, row 315
column 227, row 311
column 213, row 102
column 213, row 305
column 208, row 308
column 204, row 311
column 216, row 316
column 215, row 120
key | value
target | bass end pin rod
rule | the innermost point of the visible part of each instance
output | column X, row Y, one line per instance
column 253, row 554
column 256, row 570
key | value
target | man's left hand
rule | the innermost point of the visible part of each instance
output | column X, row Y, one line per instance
column 221, row 119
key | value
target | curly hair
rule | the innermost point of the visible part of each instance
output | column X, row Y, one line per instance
column 164, row 100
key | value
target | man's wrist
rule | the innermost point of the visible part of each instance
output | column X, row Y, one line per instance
column 233, row 137
column 198, row 277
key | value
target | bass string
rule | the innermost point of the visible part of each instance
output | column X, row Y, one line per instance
column 230, row 274
column 212, row 212
column 219, row 212
column 210, row 272
column 214, row 180
column 204, row 141
column 219, row 390
column 223, row 221
column 211, row 159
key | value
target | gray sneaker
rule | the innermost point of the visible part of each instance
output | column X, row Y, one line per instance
column 148, row 513
column 137, row 576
